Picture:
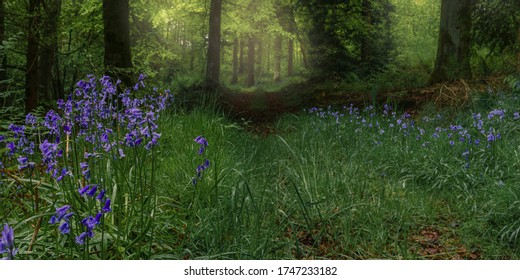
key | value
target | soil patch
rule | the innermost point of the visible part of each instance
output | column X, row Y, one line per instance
column 265, row 107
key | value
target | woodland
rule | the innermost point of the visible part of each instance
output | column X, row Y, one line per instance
column 259, row 129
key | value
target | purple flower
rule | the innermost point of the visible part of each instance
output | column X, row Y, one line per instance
column 101, row 195
column 30, row 119
column 7, row 243
column 121, row 153
column 12, row 147
column 23, row 162
column 106, row 208
column 81, row 238
column 92, row 191
column 83, row 190
column 496, row 112
column 62, row 210
column 98, row 217
column 491, row 137
column 62, row 215
column 201, row 140
column 60, row 175
column 90, row 223
column 64, row 228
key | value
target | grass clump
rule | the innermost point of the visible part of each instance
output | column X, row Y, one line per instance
column 330, row 183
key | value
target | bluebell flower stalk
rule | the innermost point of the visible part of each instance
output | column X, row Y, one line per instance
column 205, row 165
column 7, row 243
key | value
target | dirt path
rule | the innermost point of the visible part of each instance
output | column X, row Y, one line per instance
column 265, row 107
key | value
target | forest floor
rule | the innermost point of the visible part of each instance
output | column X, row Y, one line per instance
column 260, row 109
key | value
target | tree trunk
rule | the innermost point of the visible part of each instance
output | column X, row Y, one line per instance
column 453, row 52
column 259, row 59
column 241, row 64
column 3, row 61
column 365, row 41
column 294, row 29
column 518, row 52
column 118, row 58
column 213, row 65
column 277, row 58
column 290, row 57
column 234, row 78
column 251, row 63
column 31, row 74
column 49, row 50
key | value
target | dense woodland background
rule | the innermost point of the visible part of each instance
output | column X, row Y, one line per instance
column 420, row 162
column 246, row 45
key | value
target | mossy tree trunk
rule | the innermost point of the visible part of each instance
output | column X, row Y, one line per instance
column 453, row 51
column 213, row 62
column 32, row 74
column 3, row 60
column 277, row 77
column 118, row 57
column 251, row 62
column 518, row 51
column 234, row 78
column 50, row 79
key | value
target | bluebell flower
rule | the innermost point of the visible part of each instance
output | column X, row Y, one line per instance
column 90, row 222
column 81, row 238
column 30, row 119
column 92, row 191
column 496, row 112
column 101, row 195
column 7, row 243
column 64, row 228
column 83, row 190
column 12, row 147
column 491, row 137
column 62, row 217
column 98, row 217
column 106, row 208
column 23, row 162
column 62, row 211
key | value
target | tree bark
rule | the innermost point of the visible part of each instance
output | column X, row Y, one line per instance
column 234, row 78
column 49, row 50
column 3, row 72
column 259, row 59
column 118, row 57
column 251, row 63
column 31, row 74
column 365, row 41
column 3, row 61
column 518, row 52
column 277, row 77
column 453, row 52
column 290, row 57
column 213, row 64
column 241, row 64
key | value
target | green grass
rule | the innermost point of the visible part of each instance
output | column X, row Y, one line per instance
column 334, row 183
column 321, row 190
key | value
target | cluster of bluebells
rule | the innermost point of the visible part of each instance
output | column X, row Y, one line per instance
column 203, row 143
column 7, row 243
column 62, row 216
column 484, row 132
column 96, row 113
